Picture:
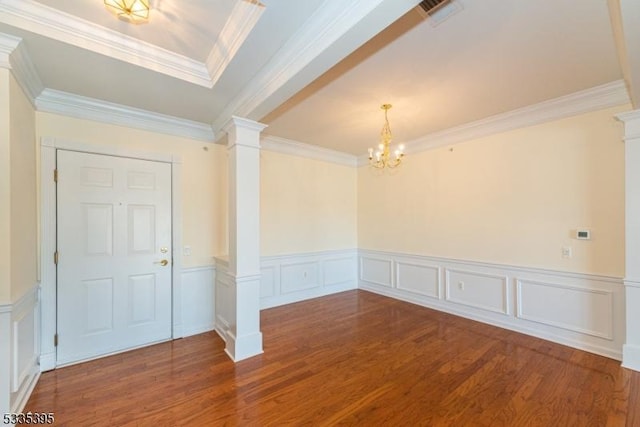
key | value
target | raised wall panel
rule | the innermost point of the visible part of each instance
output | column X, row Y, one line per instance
column 98, row 229
column 478, row 290
column 142, row 299
column 137, row 180
column 296, row 277
column 96, row 177
column 377, row 271
column 98, row 305
column 587, row 311
column 198, row 300
column 418, row 279
column 267, row 282
column 336, row 271
column 19, row 352
column 141, row 229
column 23, row 348
column 299, row 276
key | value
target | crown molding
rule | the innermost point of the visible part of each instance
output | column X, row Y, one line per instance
column 295, row 148
column 25, row 73
column 243, row 19
column 55, row 24
column 593, row 99
column 67, row 104
column 332, row 20
column 8, row 44
column 14, row 56
column 596, row 98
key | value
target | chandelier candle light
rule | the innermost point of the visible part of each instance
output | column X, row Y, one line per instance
column 382, row 157
column 134, row 11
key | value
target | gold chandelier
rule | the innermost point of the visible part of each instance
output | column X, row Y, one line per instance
column 134, row 11
column 382, row 157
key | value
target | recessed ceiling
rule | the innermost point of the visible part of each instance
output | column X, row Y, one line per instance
column 317, row 72
column 188, row 28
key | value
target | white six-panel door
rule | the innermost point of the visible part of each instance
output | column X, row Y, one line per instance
column 113, row 237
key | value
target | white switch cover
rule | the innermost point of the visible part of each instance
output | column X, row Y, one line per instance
column 186, row 251
column 567, row 252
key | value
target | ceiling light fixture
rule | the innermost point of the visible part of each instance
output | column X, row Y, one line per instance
column 134, row 11
column 382, row 157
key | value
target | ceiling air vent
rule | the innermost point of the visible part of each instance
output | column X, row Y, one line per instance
column 437, row 11
column 430, row 6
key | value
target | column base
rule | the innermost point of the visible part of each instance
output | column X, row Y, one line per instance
column 243, row 347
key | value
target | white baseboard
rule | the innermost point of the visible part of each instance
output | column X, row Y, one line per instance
column 578, row 310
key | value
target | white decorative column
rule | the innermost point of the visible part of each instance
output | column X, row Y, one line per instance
column 631, row 349
column 245, row 338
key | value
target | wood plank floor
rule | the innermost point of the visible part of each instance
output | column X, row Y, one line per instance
column 353, row 358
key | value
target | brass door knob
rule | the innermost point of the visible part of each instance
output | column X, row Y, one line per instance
column 163, row 262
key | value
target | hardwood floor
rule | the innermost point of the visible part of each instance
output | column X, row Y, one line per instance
column 353, row 358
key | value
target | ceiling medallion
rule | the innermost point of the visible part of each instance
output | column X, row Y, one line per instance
column 134, row 11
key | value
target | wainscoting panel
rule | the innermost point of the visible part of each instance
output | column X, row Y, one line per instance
column 479, row 290
column 290, row 278
column 198, row 300
column 418, row 278
column 298, row 276
column 19, row 339
column 339, row 271
column 224, row 298
column 586, row 311
column 376, row 270
column 270, row 276
column 579, row 310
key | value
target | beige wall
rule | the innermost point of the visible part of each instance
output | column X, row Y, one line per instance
column 24, row 247
column 306, row 205
column 5, row 190
column 512, row 198
column 204, row 176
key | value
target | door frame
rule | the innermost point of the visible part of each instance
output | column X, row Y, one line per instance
column 48, row 237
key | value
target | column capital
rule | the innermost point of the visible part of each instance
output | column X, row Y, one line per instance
column 8, row 44
column 243, row 132
column 244, row 123
column 631, row 120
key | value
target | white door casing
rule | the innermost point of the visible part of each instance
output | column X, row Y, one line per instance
column 48, row 225
column 114, row 246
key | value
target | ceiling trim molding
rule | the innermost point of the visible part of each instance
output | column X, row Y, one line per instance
column 8, row 44
column 295, row 148
column 243, row 19
column 55, row 24
column 593, row 99
column 25, row 73
column 14, row 56
column 332, row 20
column 596, row 98
column 67, row 104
